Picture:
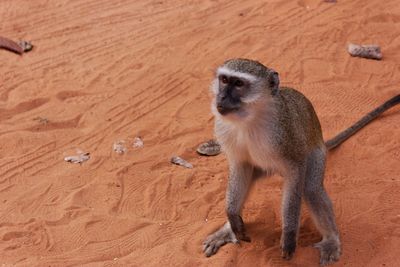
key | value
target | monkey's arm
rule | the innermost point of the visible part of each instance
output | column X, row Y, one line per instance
column 239, row 181
column 233, row 231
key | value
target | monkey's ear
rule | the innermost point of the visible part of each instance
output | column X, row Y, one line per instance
column 273, row 82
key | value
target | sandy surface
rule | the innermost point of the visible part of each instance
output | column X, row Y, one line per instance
column 104, row 71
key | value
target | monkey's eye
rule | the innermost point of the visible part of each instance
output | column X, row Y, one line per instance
column 239, row 83
column 224, row 79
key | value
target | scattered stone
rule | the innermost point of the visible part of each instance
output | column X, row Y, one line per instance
column 41, row 120
column 179, row 161
column 138, row 142
column 365, row 51
column 81, row 157
column 209, row 148
column 119, row 147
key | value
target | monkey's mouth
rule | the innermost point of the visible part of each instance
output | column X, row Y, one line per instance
column 227, row 110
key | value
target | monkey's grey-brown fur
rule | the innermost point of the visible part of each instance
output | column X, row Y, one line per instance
column 265, row 129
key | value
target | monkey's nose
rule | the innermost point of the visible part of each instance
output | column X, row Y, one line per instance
column 221, row 109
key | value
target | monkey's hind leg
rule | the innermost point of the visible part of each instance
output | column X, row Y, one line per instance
column 321, row 208
column 291, row 206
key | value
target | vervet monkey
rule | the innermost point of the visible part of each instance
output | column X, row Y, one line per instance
column 264, row 129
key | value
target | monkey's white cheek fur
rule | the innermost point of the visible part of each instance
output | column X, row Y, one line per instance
column 250, row 98
column 214, row 87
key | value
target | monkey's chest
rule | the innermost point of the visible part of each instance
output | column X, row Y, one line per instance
column 244, row 146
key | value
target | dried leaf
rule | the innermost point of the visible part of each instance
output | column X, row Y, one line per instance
column 10, row 45
column 82, row 157
column 179, row 161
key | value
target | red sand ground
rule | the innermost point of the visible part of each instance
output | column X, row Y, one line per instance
column 108, row 70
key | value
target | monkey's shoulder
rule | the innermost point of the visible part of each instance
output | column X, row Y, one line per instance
column 291, row 94
column 298, row 118
column 294, row 101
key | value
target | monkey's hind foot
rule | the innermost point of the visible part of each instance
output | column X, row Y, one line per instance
column 287, row 254
column 216, row 240
column 329, row 250
column 288, row 245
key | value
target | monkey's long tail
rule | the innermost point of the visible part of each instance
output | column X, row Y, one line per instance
column 343, row 136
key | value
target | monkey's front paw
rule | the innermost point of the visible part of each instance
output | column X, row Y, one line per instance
column 330, row 251
column 243, row 237
column 218, row 239
column 237, row 227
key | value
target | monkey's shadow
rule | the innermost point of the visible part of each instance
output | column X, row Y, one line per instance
column 269, row 234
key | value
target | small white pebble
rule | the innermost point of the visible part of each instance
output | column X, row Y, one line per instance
column 138, row 142
column 119, row 147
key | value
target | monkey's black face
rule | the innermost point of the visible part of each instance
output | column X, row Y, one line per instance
column 229, row 95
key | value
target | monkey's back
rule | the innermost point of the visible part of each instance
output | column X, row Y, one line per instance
column 299, row 124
